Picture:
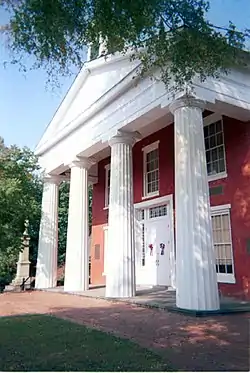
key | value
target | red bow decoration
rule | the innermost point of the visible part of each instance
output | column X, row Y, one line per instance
column 151, row 248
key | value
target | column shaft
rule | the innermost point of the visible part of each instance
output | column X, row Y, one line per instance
column 196, row 280
column 46, row 268
column 120, row 279
column 77, row 251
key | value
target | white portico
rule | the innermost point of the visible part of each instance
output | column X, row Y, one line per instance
column 107, row 110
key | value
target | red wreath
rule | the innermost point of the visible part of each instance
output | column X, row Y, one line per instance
column 151, row 248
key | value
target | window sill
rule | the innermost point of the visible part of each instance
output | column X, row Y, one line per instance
column 225, row 278
column 222, row 175
column 156, row 194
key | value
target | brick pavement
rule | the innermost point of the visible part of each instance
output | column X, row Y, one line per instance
column 218, row 343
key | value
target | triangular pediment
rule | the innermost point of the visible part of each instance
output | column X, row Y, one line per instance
column 95, row 80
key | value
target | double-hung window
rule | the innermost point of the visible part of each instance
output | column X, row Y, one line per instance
column 223, row 243
column 214, row 146
column 151, row 170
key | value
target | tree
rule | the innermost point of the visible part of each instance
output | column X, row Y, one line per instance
column 63, row 221
column 20, row 199
column 173, row 36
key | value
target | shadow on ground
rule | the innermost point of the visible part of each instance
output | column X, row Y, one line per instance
column 213, row 344
column 218, row 343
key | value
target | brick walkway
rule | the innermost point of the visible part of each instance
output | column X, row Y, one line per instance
column 218, row 343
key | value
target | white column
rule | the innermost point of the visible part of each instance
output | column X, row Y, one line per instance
column 196, row 281
column 77, row 252
column 46, row 268
column 89, row 51
column 120, row 278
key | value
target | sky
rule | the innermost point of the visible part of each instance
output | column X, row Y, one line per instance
column 27, row 105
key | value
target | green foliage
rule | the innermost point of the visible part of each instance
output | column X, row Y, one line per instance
column 173, row 36
column 20, row 198
column 63, row 221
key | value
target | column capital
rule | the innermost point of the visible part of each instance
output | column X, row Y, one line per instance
column 186, row 101
column 123, row 137
column 54, row 179
column 82, row 162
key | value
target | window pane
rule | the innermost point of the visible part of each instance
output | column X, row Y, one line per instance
column 209, row 168
column 212, row 141
column 219, row 139
column 206, row 142
column 214, row 154
column 155, row 212
column 221, row 152
column 218, row 126
column 206, row 131
column 212, row 129
column 222, row 165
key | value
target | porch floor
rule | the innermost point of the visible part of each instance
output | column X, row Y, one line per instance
column 160, row 297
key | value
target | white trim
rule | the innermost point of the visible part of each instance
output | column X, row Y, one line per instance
column 220, row 208
column 150, row 147
column 226, row 278
column 151, row 195
column 107, row 169
column 221, row 175
column 147, row 149
column 153, row 202
column 212, row 118
column 157, row 202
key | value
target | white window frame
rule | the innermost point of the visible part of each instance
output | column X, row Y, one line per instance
column 215, row 117
column 147, row 149
column 226, row 278
column 106, row 203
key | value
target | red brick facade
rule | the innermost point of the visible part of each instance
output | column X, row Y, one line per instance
column 236, row 191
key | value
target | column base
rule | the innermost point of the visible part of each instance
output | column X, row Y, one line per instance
column 221, row 311
column 127, row 295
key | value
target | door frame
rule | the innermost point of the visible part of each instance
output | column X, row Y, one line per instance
column 168, row 199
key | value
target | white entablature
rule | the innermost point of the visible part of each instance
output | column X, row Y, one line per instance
column 108, row 96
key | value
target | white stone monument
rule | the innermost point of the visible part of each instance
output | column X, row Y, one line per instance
column 23, row 264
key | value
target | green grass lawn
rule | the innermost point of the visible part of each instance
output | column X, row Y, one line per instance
column 45, row 343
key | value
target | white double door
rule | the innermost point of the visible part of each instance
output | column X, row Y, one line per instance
column 153, row 248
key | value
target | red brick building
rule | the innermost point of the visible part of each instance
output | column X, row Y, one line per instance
column 170, row 174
